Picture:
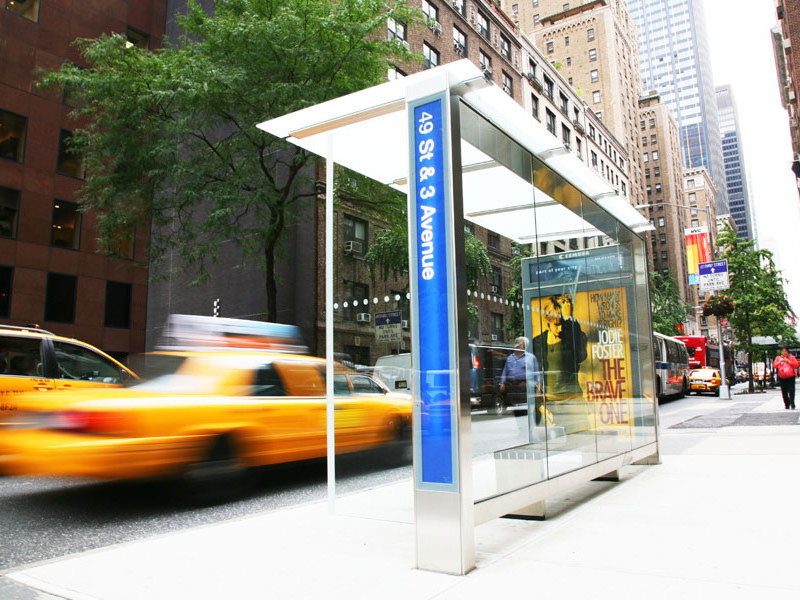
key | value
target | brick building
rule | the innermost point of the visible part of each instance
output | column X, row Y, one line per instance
column 783, row 34
column 50, row 270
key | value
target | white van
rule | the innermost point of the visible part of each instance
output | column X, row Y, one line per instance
column 394, row 370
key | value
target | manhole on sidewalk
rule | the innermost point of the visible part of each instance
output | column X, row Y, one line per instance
column 705, row 422
column 770, row 418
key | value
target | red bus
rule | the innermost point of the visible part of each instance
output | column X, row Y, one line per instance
column 703, row 353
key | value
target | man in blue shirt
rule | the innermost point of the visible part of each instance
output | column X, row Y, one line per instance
column 521, row 374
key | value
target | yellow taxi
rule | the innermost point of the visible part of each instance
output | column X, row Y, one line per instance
column 705, row 379
column 219, row 412
column 35, row 360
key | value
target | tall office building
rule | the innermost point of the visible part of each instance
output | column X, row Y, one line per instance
column 674, row 60
column 593, row 46
column 738, row 198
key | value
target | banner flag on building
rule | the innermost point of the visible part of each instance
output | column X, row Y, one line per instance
column 698, row 250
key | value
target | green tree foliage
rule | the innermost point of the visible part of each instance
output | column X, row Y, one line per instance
column 668, row 308
column 761, row 307
column 170, row 136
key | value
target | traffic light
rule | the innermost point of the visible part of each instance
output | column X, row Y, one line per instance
column 216, row 307
column 679, row 327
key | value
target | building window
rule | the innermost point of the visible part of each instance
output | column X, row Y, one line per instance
column 563, row 103
column 70, row 162
column 645, row 157
column 459, row 42
column 649, row 190
column 653, row 138
column 550, row 121
column 508, row 84
column 548, row 87
column 592, row 54
column 136, row 38
column 485, row 62
column 460, row 6
column 355, row 236
column 695, row 223
column 25, row 8
column 515, row 9
column 655, row 154
column 595, row 75
column 652, row 123
column 566, row 135
column 431, row 56
column 550, row 47
column 594, row 158
column 664, row 255
column 578, row 146
column 431, row 12
column 397, row 30
column 395, row 73
column 483, row 25
column 642, row 125
column 535, row 106
column 596, row 96
column 565, row 6
column 657, row 171
column 9, row 212
column 493, row 241
column 6, row 277
column 536, row 19
column 569, row 80
column 496, row 280
column 624, row 190
column 690, row 183
column 13, row 130
column 566, row 41
column 692, row 198
column 118, row 305
column 658, row 188
column 590, row 35
column 505, row 47
column 60, row 298
column 356, row 297
column 663, row 238
column 66, row 228
column 535, row 3
column 660, row 221
column 497, row 327
column 647, row 173
column 591, row 131
column 644, row 140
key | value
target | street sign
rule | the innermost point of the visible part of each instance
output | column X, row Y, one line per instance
column 388, row 327
column 714, row 275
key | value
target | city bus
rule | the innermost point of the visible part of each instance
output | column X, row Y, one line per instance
column 672, row 366
column 703, row 353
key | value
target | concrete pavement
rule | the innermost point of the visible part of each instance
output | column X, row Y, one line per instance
column 718, row 517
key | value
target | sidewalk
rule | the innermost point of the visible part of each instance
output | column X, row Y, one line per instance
column 718, row 518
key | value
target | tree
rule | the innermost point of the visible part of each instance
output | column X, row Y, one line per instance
column 170, row 136
column 756, row 290
column 668, row 308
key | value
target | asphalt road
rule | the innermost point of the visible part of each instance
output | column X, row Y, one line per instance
column 41, row 519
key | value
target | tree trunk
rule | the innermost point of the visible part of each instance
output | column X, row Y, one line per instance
column 271, row 286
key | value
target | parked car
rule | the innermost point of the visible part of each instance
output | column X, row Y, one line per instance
column 217, row 415
column 705, row 379
column 35, row 360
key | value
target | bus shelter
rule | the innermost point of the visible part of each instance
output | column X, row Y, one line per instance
column 466, row 155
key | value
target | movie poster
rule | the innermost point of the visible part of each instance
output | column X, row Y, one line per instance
column 580, row 335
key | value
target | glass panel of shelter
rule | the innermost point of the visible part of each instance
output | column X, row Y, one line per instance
column 577, row 314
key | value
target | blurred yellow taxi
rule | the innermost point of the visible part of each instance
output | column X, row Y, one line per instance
column 34, row 360
column 705, row 380
column 219, row 412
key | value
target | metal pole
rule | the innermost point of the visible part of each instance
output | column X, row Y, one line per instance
column 330, row 405
column 724, row 390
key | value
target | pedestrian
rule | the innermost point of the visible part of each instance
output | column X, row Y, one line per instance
column 785, row 365
column 520, row 371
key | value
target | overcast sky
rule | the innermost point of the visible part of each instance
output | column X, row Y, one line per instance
column 742, row 56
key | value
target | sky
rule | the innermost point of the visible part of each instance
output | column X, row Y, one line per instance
column 741, row 55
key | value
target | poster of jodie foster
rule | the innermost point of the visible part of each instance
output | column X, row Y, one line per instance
column 580, row 332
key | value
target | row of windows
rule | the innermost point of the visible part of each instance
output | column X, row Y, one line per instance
column 65, row 228
column 61, row 299
column 13, row 135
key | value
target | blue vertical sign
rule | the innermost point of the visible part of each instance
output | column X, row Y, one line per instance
column 432, row 272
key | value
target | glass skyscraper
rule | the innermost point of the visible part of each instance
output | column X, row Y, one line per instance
column 675, row 62
column 738, row 197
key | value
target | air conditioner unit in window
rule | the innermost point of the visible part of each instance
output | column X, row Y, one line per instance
column 494, row 337
column 437, row 29
column 353, row 247
column 493, row 289
column 404, row 323
column 363, row 318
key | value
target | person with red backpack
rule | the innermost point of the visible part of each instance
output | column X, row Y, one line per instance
column 786, row 365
